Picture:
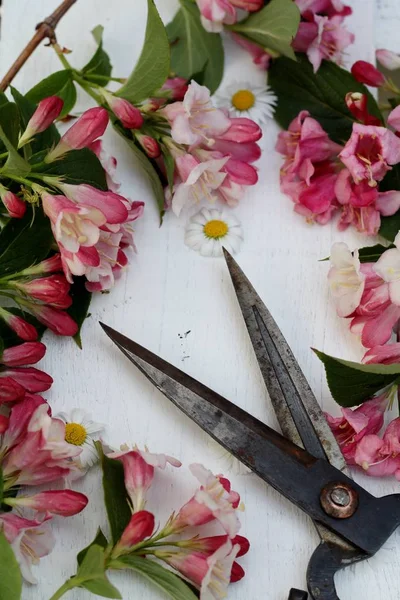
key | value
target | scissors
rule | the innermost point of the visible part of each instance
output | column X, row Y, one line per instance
column 304, row 464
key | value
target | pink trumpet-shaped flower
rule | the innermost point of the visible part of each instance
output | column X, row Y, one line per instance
column 10, row 390
column 22, row 328
column 65, row 503
column 90, row 126
column 241, row 131
column 330, row 42
column 32, row 380
column 47, row 111
column 365, row 72
column 129, row 115
column 30, row 540
column 329, row 7
column 387, row 354
column 381, row 457
column 140, row 526
column 58, row 321
column 112, row 205
column 149, row 145
column 389, row 60
column 354, row 425
column 16, row 207
column 394, row 118
column 216, row 13
column 346, row 281
column 28, row 353
column 53, row 289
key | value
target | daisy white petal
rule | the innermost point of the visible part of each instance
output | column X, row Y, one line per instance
column 244, row 99
column 210, row 230
column 81, row 431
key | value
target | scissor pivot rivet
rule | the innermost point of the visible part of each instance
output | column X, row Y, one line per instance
column 339, row 500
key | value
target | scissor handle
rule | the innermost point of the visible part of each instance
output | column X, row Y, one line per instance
column 323, row 565
column 297, row 595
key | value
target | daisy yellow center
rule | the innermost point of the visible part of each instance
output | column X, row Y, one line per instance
column 215, row 229
column 243, row 100
column 75, row 434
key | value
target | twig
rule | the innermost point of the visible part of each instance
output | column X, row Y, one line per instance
column 45, row 29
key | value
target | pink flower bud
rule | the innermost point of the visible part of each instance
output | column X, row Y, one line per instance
column 3, row 424
column 51, row 290
column 57, row 320
column 15, row 206
column 394, row 118
column 177, row 88
column 10, row 390
column 22, row 328
column 47, row 111
column 90, row 126
column 28, row 353
column 50, row 265
column 365, row 72
column 129, row 115
column 242, row 131
column 65, row 503
column 357, row 105
column 249, row 5
column 389, row 60
column 149, row 145
column 31, row 379
column 140, row 526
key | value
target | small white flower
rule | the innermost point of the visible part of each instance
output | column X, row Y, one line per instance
column 210, row 230
column 246, row 100
column 81, row 431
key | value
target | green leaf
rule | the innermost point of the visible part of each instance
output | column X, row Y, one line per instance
column 115, row 494
column 24, row 242
column 372, row 253
column 169, row 162
column 151, row 174
column 91, row 574
column 174, row 586
column 76, row 167
column 100, row 63
column 15, row 164
column 10, row 574
column 1, row 476
column 273, row 27
column 26, row 108
column 353, row 383
column 322, row 94
column 79, row 308
column 7, row 335
column 99, row 540
column 59, row 84
column 9, row 121
column 152, row 68
column 390, row 225
column 193, row 49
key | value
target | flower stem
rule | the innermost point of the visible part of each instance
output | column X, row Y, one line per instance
column 66, row 587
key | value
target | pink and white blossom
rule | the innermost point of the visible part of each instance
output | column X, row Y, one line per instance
column 380, row 457
column 388, row 59
column 65, row 503
column 387, row 354
column 330, row 42
column 388, row 268
column 346, row 281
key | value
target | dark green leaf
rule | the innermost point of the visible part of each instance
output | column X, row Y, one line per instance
column 372, row 253
column 100, row 63
column 76, row 167
column 273, row 27
column 9, row 121
column 390, row 225
column 353, row 383
column 3, row 99
column 79, row 308
column 10, row 574
column 15, row 164
column 151, row 174
column 59, row 84
column 47, row 138
column 91, row 574
column 115, row 494
column 99, row 540
column 9, row 338
column 24, row 242
column 193, row 49
column 152, row 68
column 322, row 94
column 174, row 586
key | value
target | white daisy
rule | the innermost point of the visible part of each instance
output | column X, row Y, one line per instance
column 81, row 431
column 209, row 230
column 243, row 99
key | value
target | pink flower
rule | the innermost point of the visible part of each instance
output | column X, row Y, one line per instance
column 22, row 328
column 149, row 145
column 388, row 354
column 16, row 207
column 110, row 204
column 241, row 131
column 394, row 118
column 388, row 203
column 53, row 289
column 10, row 390
column 261, row 58
column 58, row 321
column 29, row 539
column 388, row 268
column 140, row 526
column 65, row 503
column 19, row 418
column 216, row 13
column 50, row 265
column 365, row 72
column 129, row 115
column 329, row 7
column 109, row 164
column 195, row 120
column 31, row 379
column 139, row 472
column 359, row 204
column 47, row 111
column 214, row 500
column 329, row 42
column 381, row 457
column 346, row 281
column 90, row 126
column 369, row 152
column 28, row 353
column 354, row 425
column 176, row 88
column 357, row 104
column 209, row 545
column 388, row 59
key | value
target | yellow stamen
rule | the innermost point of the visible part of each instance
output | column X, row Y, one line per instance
column 215, row 229
column 75, row 434
column 243, row 100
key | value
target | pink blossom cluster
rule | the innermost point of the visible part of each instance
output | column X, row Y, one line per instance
column 217, row 13
column 369, row 295
column 213, row 153
column 208, row 562
column 323, row 178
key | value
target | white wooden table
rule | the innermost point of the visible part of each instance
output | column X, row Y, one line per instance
column 169, row 290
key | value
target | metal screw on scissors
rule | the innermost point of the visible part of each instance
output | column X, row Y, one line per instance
column 304, row 464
